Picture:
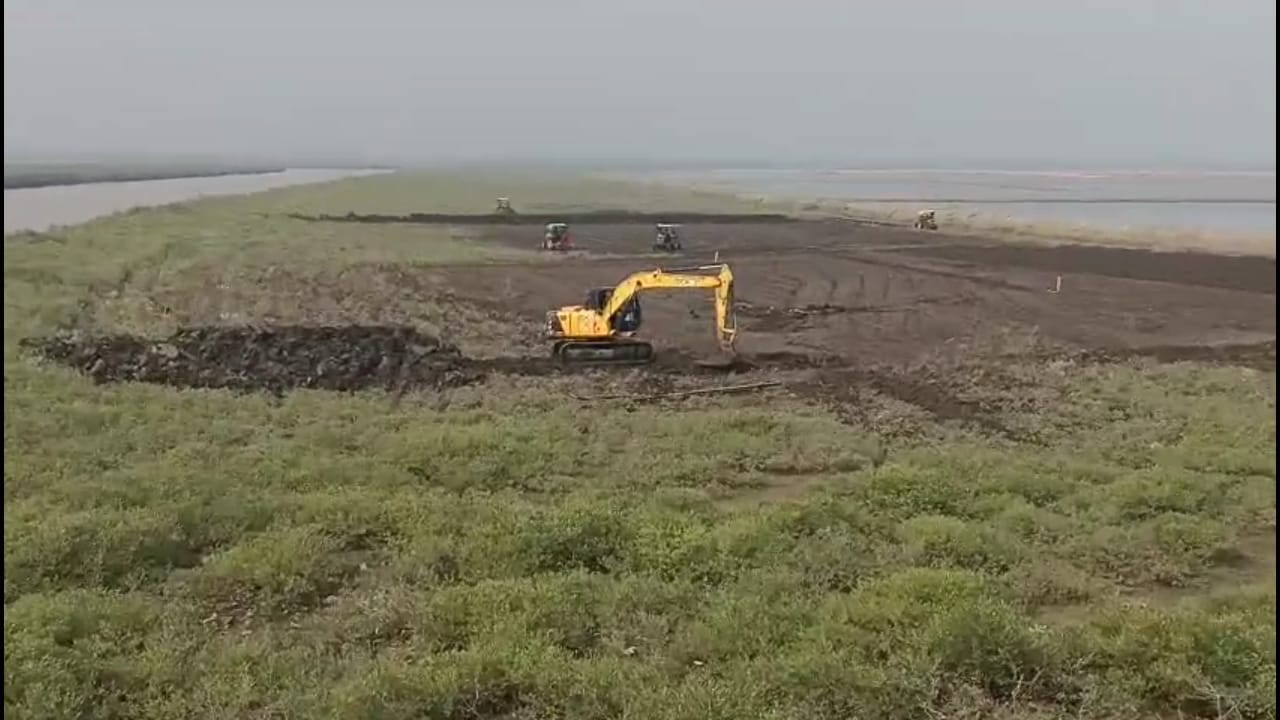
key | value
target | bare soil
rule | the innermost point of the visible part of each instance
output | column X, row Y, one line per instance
column 838, row 310
column 340, row 358
column 872, row 296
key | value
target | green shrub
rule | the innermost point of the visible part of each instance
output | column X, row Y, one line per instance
column 947, row 542
column 591, row 539
column 279, row 571
column 119, row 549
column 1138, row 659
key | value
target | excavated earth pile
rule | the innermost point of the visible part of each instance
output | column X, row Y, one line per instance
column 274, row 359
column 338, row 358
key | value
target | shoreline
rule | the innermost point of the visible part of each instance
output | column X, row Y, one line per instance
column 965, row 223
column 27, row 178
column 39, row 209
column 1229, row 211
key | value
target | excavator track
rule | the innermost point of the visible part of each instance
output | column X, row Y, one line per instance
column 603, row 352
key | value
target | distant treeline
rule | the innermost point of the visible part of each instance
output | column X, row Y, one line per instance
column 37, row 175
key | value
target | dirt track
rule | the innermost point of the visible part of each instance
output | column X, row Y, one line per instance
column 837, row 309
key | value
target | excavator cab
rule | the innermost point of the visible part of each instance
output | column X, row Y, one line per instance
column 597, row 298
column 626, row 319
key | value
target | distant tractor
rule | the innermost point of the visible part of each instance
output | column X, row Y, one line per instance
column 926, row 220
column 668, row 239
column 557, row 237
column 504, row 207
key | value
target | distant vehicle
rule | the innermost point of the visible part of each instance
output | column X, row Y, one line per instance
column 668, row 239
column 925, row 220
column 557, row 237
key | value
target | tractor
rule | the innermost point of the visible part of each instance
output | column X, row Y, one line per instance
column 557, row 237
column 925, row 220
column 668, row 239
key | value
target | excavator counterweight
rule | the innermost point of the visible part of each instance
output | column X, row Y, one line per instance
column 601, row 331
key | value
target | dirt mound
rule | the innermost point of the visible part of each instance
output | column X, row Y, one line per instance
column 594, row 216
column 279, row 358
column 340, row 358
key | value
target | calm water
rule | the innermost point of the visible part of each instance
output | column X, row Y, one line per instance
column 1212, row 201
column 41, row 208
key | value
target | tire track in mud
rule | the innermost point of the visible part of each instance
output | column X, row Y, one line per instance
column 940, row 393
column 1202, row 269
column 869, row 259
column 987, row 394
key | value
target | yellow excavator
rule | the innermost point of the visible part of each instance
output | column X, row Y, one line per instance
column 602, row 330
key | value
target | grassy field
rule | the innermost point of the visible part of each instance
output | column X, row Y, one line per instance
column 499, row 551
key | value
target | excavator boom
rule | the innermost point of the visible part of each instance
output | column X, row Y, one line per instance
column 601, row 331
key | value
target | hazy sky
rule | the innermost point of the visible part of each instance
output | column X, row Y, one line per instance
column 997, row 81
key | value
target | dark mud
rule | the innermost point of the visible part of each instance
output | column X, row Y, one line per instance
column 990, row 394
column 980, row 396
column 984, row 395
column 396, row 359
column 1259, row 356
column 272, row 359
column 1251, row 274
column 580, row 217
column 338, row 358
column 771, row 318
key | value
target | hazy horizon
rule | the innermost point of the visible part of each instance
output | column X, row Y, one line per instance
column 637, row 165
column 1002, row 84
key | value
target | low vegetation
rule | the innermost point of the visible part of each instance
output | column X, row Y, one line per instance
column 497, row 551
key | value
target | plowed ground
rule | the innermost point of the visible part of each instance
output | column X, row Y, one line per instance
column 833, row 309
column 871, row 296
